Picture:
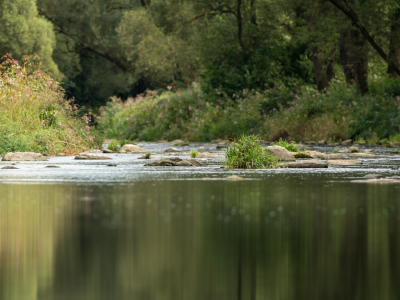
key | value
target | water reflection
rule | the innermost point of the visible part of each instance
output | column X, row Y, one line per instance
column 269, row 239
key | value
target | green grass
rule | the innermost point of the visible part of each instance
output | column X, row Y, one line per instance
column 289, row 146
column 194, row 153
column 248, row 153
column 360, row 140
column 113, row 146
column 395, row 152
column 148, row 154
column 335, row 150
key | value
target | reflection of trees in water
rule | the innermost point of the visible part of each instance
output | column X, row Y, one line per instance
column 272, row 239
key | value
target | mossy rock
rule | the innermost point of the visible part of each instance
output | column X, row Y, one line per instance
column 395, row 152
column 302, row 155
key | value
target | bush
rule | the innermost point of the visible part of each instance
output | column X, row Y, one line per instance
column 35, row 116
column 289, row 146
column 248, row 153
column 148, row 154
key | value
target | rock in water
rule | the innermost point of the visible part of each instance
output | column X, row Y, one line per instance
column 105, row 150
column 175, row 162
column 281, row 153
column 344, row 162
column 306, row 164
column 335, row 156
column 52, row 166
column 128, row 148
column 172, row 149
column 92, row 156
column 234, row 178
column 24, row 156
column 373, row 176
column 9, row 168
column 347, row 142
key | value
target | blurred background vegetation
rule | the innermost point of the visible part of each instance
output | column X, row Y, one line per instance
column 122, row 48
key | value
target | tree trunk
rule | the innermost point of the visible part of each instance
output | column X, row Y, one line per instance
column 394, row 48
column 354, row 59
column 323, row 68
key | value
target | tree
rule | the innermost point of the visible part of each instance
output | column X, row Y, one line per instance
column 24, row 32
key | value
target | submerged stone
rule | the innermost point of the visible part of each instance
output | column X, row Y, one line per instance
column 364, row 155
column 51, row 166
column 373, row 176
column 172, row 149
column 234, row 178
column 306, row 164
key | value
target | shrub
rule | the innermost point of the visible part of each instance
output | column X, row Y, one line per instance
column 113, row 146
column 148, row 154
column 194, row 153
column 248, row 153
column 35, row 116
column 289, row 146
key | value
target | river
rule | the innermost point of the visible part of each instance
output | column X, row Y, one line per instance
column 88, row 231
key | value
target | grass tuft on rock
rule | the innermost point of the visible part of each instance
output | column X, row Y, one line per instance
column 302, row 155
column 248, row 153
column 148, row 154
column 194, row 153
column 289, row 146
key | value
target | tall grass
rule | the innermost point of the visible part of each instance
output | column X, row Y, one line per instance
column 35, row 116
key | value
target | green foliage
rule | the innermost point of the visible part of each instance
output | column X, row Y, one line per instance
column 360, row 140
column 248, row 153
column 335, row 150
column 373, row 140
column 395, row 152
column 289, row 146
column 35, row 115
column 24, row 32
column 148, row 154
column 113, row 146
column 194, row 153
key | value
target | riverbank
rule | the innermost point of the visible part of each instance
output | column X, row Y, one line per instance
column 300, row 114
column 35, row 115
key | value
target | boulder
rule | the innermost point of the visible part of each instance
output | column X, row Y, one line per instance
column 363, row 155
column 316, row 154
column 24, row 156
column 172, row 149
column 202, row 148
column 347, row 142
column 344, row 162
column 305, row 164
column 91, row 156
column 9, row 168
column 280, row 152
column 368, row 151
column 321, row 142
column 175, row 162
column 129, row 148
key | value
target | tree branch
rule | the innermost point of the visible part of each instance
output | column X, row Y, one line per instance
column 356, row 23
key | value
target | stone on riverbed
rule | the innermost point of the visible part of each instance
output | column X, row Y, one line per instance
column 205, row 155
column 347, row 142
column 306, row 164
column 349, row 150
column 92, row 156
column 24, row 156
column 129, row 148
column 52, row 166
column 280, row 152
column 344, row 162
column 234, row 178
column 174, row 162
